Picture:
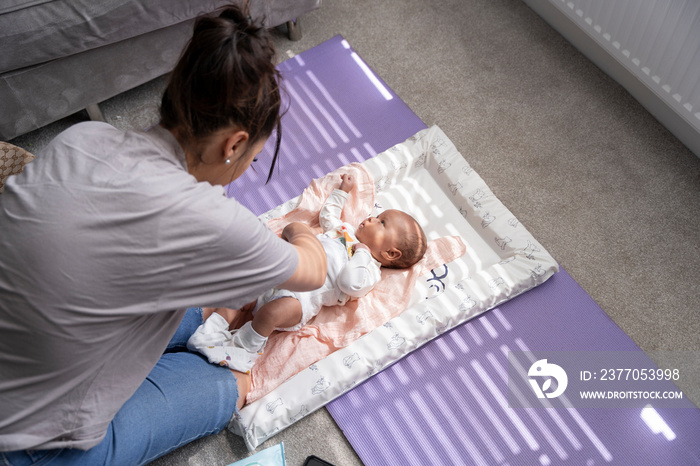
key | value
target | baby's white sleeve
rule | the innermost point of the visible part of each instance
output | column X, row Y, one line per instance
column 329, row 217
column 359, row 275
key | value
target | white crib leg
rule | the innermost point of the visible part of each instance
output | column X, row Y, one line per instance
column 94, row 112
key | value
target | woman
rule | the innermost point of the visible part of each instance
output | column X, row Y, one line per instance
column 108, row 238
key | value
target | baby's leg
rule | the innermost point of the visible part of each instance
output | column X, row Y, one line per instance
column 235, row 317
column 279, row 313
column 241, row 348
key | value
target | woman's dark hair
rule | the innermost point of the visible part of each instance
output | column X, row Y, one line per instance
column 225, row 77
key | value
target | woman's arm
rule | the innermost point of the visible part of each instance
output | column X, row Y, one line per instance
column 311, row 269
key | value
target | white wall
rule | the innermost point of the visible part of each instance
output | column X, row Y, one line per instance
column 651, row 47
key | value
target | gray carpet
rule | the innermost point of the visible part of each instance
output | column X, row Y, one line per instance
column 612, row 195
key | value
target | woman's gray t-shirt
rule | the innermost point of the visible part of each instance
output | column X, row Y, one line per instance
column 105, row 240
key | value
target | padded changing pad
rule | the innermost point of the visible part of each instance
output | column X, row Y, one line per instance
column 428, row 178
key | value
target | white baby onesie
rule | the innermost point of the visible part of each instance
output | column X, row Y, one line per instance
column 350, row 274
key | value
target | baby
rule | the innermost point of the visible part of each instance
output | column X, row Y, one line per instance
column 355, row 256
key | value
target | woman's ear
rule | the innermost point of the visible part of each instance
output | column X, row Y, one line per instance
column 236, row 144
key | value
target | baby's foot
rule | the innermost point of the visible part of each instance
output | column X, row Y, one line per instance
column 213, row 340
column 247, row 338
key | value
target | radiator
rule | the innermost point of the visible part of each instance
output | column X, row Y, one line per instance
column 656, row 41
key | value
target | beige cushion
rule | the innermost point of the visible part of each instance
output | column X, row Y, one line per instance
column 12, row 161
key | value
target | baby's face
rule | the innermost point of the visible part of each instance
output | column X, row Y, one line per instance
column 381, row 233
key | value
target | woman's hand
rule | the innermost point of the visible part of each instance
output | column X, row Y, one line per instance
column 311, row 269
column 347, row 183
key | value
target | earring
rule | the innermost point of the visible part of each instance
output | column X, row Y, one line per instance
column 228, row 160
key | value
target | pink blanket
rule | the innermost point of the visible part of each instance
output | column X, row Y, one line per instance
column 335, row 327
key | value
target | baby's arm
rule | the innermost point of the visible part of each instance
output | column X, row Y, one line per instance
column 329, row 217
column 360, row 274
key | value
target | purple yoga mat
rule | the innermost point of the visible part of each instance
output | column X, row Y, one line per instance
column 338, row 112
column 444, row 403
column 440, row 404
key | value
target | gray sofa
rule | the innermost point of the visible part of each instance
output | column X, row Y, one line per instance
column 59, row 57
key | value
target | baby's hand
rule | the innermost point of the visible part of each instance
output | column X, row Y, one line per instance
column 347, row 183
column 357, row 246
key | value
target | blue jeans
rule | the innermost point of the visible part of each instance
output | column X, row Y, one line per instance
column 182, row 399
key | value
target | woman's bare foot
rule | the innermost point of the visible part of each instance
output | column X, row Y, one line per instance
column 243, row 381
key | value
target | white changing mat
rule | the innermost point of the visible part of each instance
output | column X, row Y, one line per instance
column 428, row 178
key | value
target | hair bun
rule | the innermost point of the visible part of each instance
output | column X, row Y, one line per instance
column 226, row 77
